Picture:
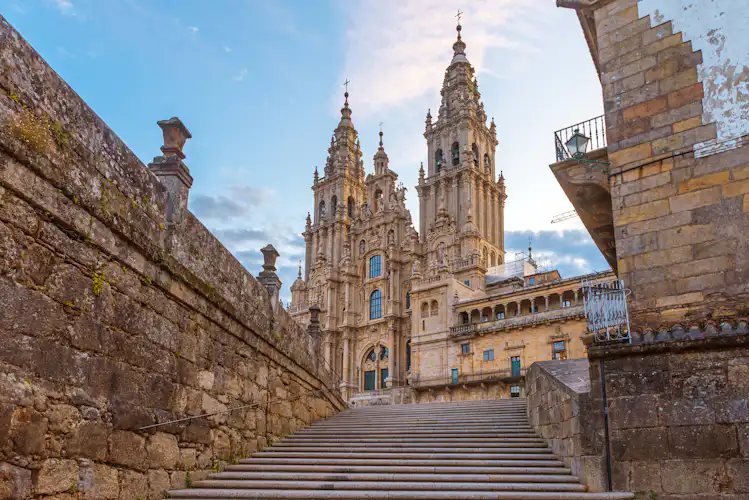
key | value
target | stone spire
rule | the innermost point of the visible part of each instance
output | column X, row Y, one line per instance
column 381, row 158
column 459, row 49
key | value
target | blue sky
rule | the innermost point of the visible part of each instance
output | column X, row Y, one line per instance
column 258, row 83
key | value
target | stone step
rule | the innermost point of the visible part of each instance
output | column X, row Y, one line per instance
column 409, row 445
column 442, row 451
column 384, row 476
column 407, row 451
column 217, row 494
column 395, row 469
column 385, row 485
column 435, row 433
column 518, row 462
column 410, row 456
column 488, row 438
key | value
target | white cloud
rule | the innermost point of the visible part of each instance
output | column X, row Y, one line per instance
column 64, row 6
column 397, row 51
column 241, row 75
column 194, row 29
column 227, row 49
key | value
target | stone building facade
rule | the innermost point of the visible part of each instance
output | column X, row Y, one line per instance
column 393, row 301
column 670, row 211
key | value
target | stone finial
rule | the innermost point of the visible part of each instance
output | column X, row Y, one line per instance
column 268, row 277
column 270, row 254
column 175, row 136
column 171, row 170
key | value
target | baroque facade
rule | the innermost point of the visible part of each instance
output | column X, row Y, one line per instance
column 389, row 296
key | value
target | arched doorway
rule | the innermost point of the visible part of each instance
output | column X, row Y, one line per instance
column 374, row 368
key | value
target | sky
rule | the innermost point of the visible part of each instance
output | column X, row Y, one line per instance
column 259, row 85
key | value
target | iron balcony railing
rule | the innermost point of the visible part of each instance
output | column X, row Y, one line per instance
column 595, row 129
column 524, row 320
column 468, row 378
column 606, row 312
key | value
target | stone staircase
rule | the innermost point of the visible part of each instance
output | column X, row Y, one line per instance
column 462, row 450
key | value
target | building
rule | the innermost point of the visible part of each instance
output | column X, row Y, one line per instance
column 667, row 201
column 396, row 305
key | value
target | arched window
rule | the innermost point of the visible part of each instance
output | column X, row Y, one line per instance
column 455, row 153
column 475, row 150
column 333, row 205
column 384, row 353
column 487, row 163
column 464, row 320
column 425, row 309
column 375, row 266
column 350, row 207
column 408, row 300
column 438, row 161
column 372, row 356
column 435, row 308
column 321, row 210
column 375, row 305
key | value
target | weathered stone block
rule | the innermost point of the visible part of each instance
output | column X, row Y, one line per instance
column 15, row 482
column 62, row 418
column 703, row 441
column 696, row 199
column 133, row 485
column 129, row 449
column 56, row 475
column 640, row 444
column 158, row 484
column 88, row 440
column 694, row 476
column 27, row 430
column 101, row 483
column 163, row 452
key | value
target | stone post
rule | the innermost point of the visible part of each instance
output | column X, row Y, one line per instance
column 517, row 311
column 268, row 277
column 171, row 170
column 547, row 302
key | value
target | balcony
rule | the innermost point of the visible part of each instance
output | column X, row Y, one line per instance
column 507, row 375
column 523, row 321
column 587, row 185
column 595, row 128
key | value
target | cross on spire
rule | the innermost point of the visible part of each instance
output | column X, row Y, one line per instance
column 345, row 94
column 458, row 15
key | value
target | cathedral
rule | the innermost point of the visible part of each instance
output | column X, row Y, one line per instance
column 388, row 294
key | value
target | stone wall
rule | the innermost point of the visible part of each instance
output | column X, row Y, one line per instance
column 678, row 416
column 559, row 409
column 673, row 74
column 114, row 318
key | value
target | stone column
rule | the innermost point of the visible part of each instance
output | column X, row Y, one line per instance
column 391, row 356
column 533, row 303
column 346, row 354
column 547, row 302
column 326, row 349
column 313, row 327
column 171, row 170
column 575, row 297
column 518, row 308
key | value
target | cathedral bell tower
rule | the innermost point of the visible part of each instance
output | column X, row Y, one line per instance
column 461, row 206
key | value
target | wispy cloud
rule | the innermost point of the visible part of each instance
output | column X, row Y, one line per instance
column 194, row 29
column 396, row 50
column 240, row 76
column 237, row 202
column 64, row 6
column 226, row 48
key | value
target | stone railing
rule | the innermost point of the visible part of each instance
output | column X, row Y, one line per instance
column 471, row 260
column 560, row 410
column 467, row 378
column 517, row 321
